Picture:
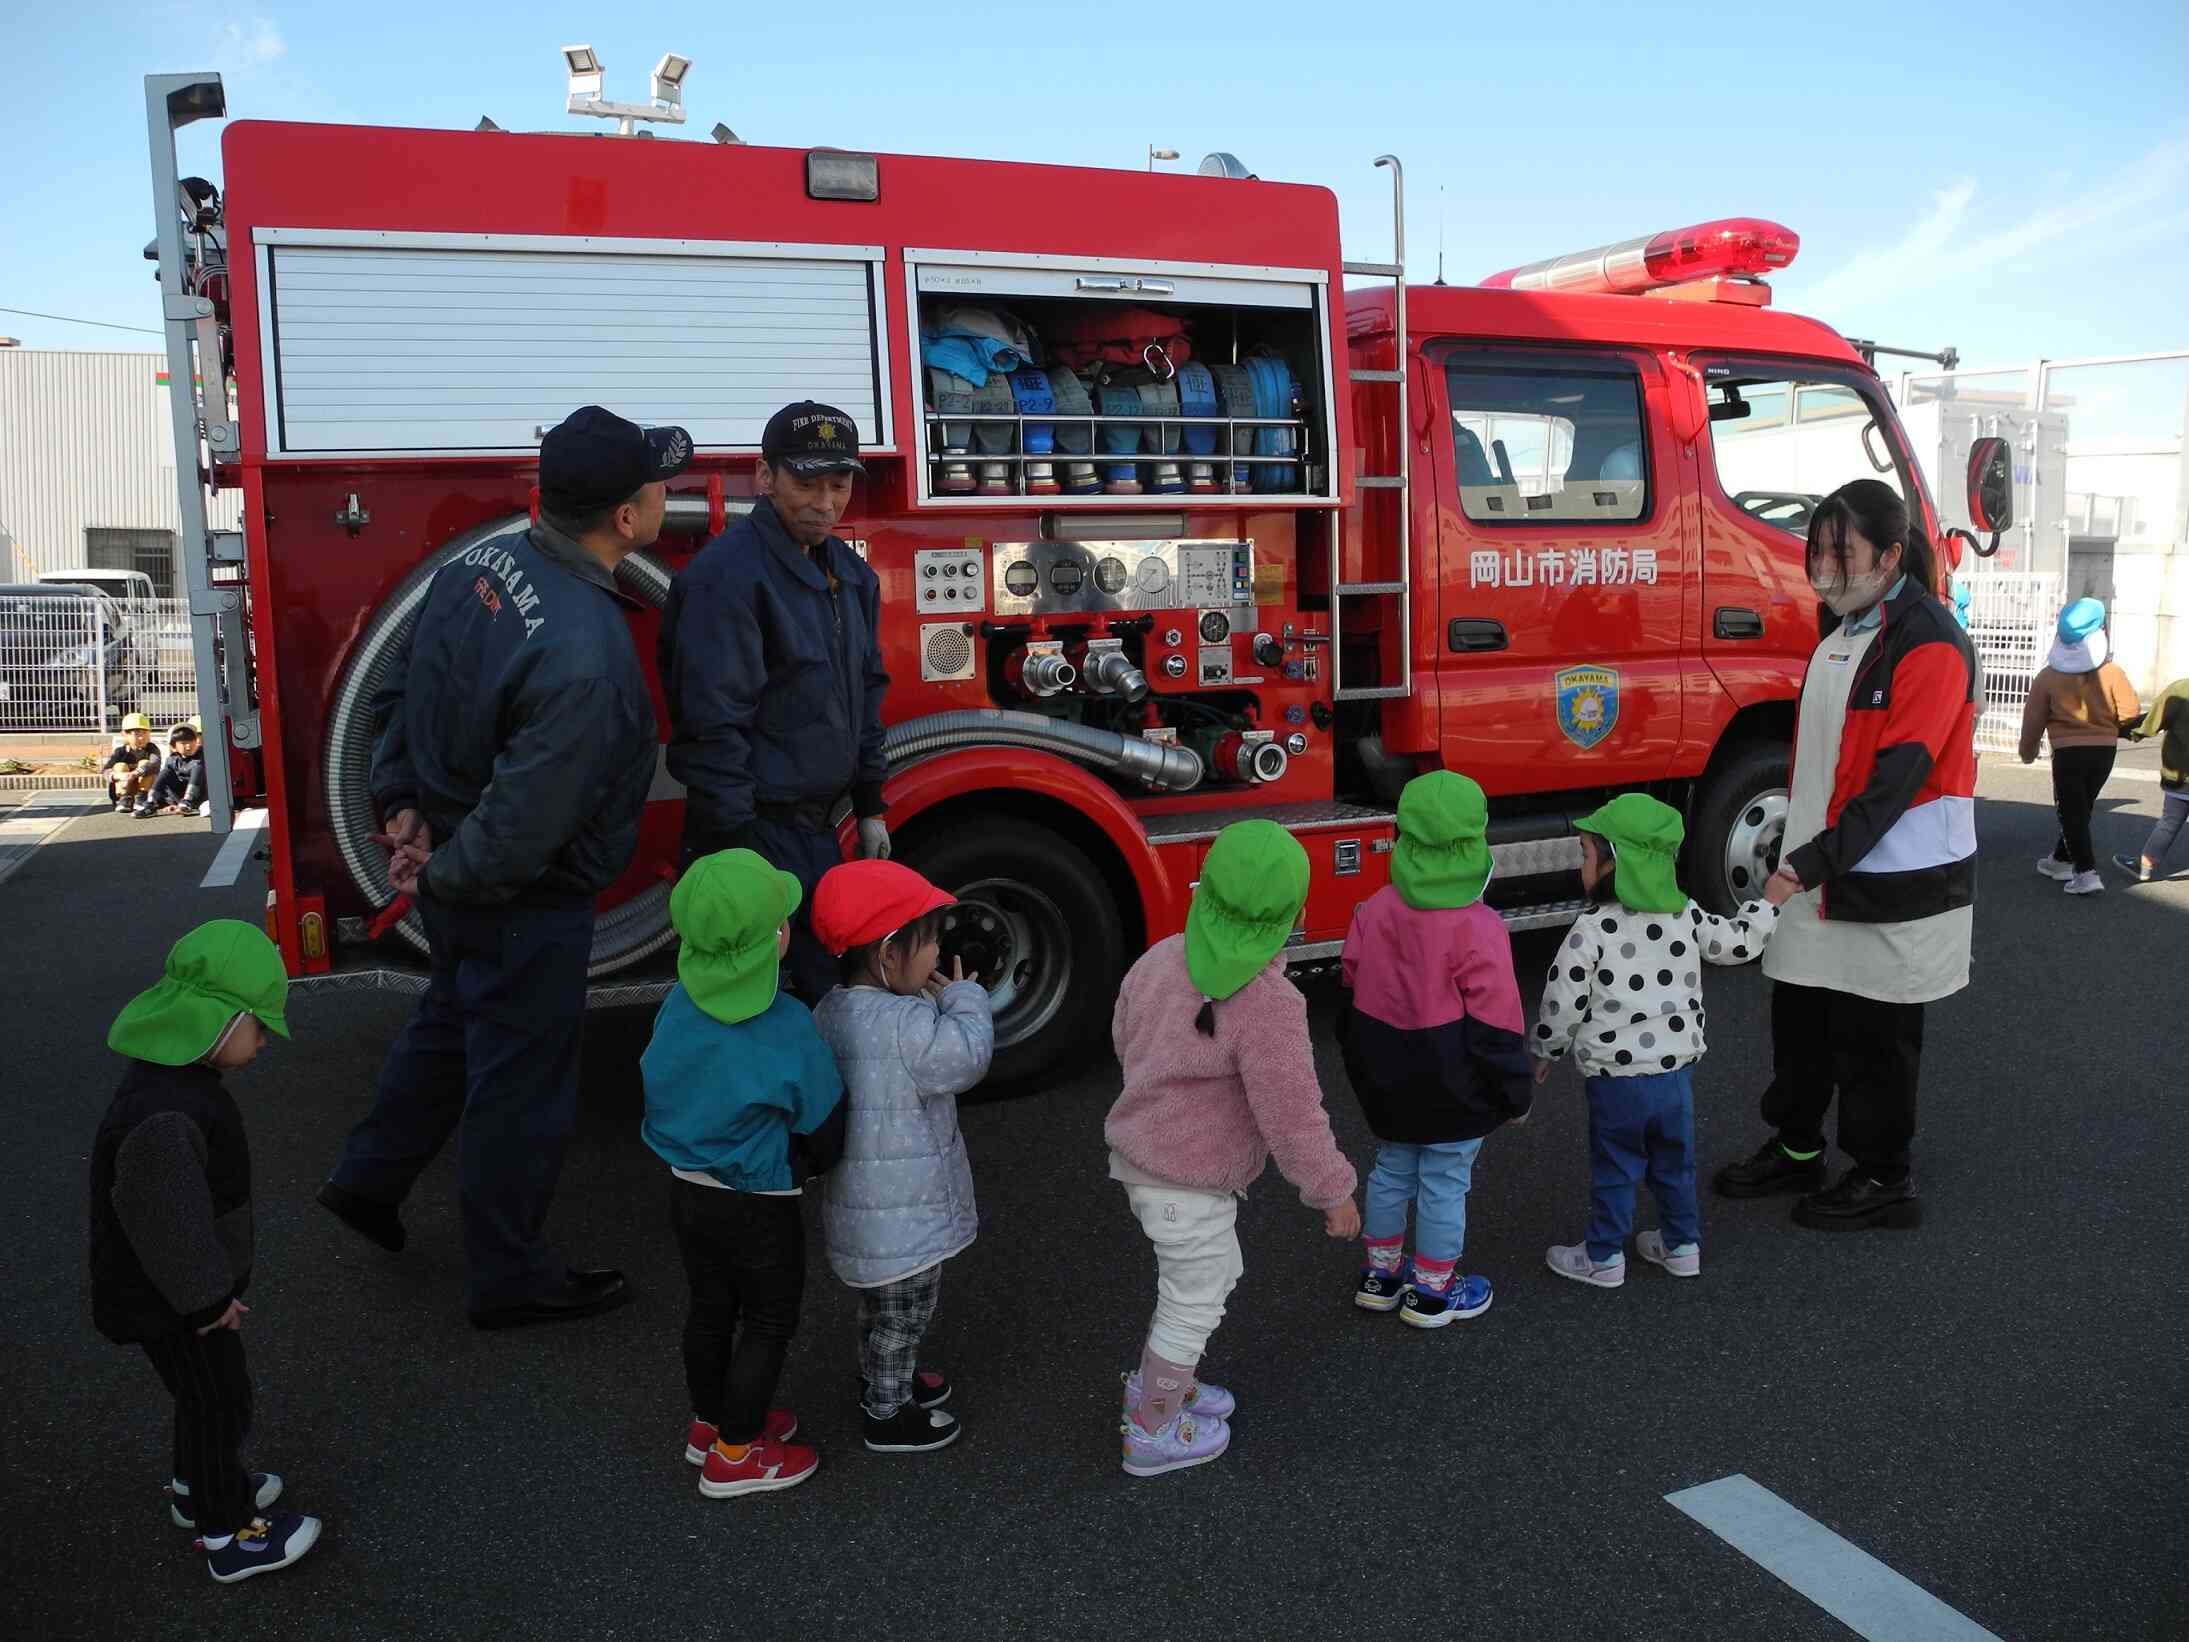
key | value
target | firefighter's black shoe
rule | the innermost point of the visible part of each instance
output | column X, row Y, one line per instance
column 377, row 1221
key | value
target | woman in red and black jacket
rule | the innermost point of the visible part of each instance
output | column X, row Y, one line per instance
column 1877, row 885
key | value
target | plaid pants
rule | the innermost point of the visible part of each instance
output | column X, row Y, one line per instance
column 893, row 1320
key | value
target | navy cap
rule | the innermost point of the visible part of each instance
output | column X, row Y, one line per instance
column 593, row 458
column 810, row 438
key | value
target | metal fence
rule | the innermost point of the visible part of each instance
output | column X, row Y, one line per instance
column 2011, row 618
column 74, row 664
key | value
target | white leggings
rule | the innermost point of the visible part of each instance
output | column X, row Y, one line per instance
column 1196, row 1240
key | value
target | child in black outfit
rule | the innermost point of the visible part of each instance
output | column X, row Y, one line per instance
column 171, row 1229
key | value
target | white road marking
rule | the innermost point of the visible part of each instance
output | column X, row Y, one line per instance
column 1846, row 1582
column 38, row 818
column 227, row 866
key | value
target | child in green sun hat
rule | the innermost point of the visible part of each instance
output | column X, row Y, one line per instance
column 172, row 1231
column 744, row 1104
column 1219, row 1076
column 1625, row 994
column 1435, row 1043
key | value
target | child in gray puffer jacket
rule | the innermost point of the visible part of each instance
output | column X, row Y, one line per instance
column 908, row 1041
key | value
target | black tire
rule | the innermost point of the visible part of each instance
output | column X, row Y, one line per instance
column 1736, row 826
column 1038, row 924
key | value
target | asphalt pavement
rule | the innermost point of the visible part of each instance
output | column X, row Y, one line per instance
column 1992, row 1406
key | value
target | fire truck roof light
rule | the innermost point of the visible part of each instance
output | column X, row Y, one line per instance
column 672, row 68
column 831, row 174
column 581, row 59
column 1728, row 248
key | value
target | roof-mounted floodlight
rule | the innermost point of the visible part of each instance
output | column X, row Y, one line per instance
column 583, row 65
column 723, row 134
column 1225, row 165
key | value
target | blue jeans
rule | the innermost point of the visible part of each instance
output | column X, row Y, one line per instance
column 1434, row 1179
column 1641, row 1125
column 493, row 1047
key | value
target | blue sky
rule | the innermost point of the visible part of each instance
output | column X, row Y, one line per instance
column 2010, row 179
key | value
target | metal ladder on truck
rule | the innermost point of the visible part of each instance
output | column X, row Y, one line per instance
column 1401, row 588
column 203, row 433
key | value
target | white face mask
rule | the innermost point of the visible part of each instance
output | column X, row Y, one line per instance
column 1857, row 593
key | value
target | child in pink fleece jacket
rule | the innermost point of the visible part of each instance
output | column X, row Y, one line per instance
column 1219, row 1074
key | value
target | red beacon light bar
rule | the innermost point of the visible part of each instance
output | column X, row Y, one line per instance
column 1720, row 261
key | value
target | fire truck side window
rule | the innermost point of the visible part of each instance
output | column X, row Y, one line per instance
column 1552, row 444
column 1782, row 445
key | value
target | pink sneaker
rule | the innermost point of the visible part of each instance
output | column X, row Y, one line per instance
column 1190, row 1439
column 780, row 1426
column 1210, row 1400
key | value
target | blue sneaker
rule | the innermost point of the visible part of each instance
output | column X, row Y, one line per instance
column 265, row 1489
column 1467, row 1297
column 1380, row 1290
column 263, row 1546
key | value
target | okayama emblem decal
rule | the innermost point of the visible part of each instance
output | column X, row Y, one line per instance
column 1588, row 703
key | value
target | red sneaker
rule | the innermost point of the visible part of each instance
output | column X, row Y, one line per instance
column 780, row 1426
column 765, row 1466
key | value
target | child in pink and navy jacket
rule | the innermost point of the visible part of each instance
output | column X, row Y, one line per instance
column 1219, row 1075
column 1434, row 1041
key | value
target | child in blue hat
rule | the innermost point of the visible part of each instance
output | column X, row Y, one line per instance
column 2082, row 703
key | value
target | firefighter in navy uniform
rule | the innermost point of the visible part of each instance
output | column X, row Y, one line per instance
column 772, row 667
column 517, row 745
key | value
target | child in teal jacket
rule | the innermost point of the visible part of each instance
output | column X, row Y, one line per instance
column 744, row 1104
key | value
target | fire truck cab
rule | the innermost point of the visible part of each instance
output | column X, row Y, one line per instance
column 1172, row 527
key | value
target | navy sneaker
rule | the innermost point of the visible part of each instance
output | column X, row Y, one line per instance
column 1380, row 1290
column 1466, row 1297
column 268, row 1543
column 265, row 1489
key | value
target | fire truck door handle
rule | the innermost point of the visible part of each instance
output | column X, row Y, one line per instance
column 1470, row 633
column 1732, row 622
column 1089, row 282
column 1156, row 287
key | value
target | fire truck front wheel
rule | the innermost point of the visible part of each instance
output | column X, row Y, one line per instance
column 1035, row 924
column 1737, row 826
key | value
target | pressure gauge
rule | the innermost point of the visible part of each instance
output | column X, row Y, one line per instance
column 1152, row 577
column 1067, row 577
column 1110, row 574
column 1021, row 580
column 1215, row 627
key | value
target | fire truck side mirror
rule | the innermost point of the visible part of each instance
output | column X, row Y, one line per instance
column 1991, row 485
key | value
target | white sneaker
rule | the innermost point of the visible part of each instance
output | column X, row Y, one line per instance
column 2054, row 868
column 1572, row 1260
column 2085, row 883
column 1684, row 1261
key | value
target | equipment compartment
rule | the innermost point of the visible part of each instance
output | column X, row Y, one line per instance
column 1082, row 381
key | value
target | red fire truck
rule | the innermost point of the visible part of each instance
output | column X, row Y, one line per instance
column 1215, row 536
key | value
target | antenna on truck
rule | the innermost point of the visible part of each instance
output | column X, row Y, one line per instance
column 1440, row 233
column 583, row 65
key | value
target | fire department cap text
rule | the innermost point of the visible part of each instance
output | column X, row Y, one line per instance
column 594, row 458
column 810, row 438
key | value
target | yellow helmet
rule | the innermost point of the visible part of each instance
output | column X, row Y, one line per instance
column 136, row 721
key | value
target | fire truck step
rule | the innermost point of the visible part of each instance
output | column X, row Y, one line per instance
column 1349, row 589
column 1380, row 270
column 1377, row 376
column 1380, row 481
column 1374, row 692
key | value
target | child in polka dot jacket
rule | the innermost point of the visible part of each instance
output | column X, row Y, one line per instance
column 1625, row 993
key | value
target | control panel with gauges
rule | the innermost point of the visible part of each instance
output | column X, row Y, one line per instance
column 1110, row 578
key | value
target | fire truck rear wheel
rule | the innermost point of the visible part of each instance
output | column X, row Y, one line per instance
column 1037, row 925
column 1738, row 825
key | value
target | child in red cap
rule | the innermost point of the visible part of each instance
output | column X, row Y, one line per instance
column 908, row 1041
